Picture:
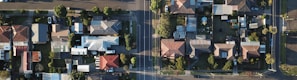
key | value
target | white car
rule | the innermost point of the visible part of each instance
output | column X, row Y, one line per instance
column 49, row 20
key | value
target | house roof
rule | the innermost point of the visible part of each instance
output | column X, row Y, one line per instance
column 99, row 43
column 183, row 7
column 60, row 35
column 171, row 48
column 78, row 51
column 39, row 33
column 51, row 76
column 83, row 68
column 77, row 28
column 243, row 5
column 250, row 49
column 180, row 32
column 200, row 45
column 109, row 61
column 224, row 48
column 36, row 56
column 191, row 24
column 18, row 50
column 104, row 27
column 221, row 9
column 20, row 33
column 63, row 55
column 60, row 46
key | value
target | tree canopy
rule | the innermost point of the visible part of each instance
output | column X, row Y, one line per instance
column 253, row 37
column 155, row 5
column 4, row 74
column 272, row 30
column 133, row 61
column 269, row 59
column 107, row 11
column 123, row 58
column 227, row 65
column 96, row 10
column 180, row 63
column 264, row 31
column 60, row 11
column 165, row 30
column 210, row 59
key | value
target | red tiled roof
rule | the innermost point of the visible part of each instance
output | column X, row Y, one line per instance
column 36, row 56
column 20, row 33
column 109, row 61
column 170, row 48
column 250, row 50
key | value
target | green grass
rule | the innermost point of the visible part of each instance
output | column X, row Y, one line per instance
column 45, row 50
column 88, row 60
column 203, row 63
column 284, row 6
column 283, row 49
column 18, row 20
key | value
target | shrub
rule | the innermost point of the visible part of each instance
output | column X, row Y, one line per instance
column 180, row 63
column 60, row 11
column 210, row 59
column 227, row 65
column 269, row 59
column 123, row 58
column 133, row 61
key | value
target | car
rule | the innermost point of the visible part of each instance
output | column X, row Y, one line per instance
column 49, row 20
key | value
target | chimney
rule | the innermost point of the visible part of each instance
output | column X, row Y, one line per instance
column 55, row 27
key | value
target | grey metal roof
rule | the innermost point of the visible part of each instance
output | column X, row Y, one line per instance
column 99, row 27
column 39, row 33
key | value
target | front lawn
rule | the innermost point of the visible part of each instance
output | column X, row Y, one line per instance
column 204, row 65
column 289, row 69
column 45, row 49
column 18, row 20
column 284, row 6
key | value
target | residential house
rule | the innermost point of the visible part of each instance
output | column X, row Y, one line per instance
column 109, row 62
column 244, row 6
column 104, row 27
column 191, row 23
column 56, row 76
column 182, row 6
column 59, row 38
column 180, row 33
column 83, row 68
column 79, row 51
column 39, row 33
column 250, row 49
column 222, row 9
column 19, row 33
column 77, row 28
column 224, row 50
column 172, row 49
column 257, row 22
column 200, row 46
column 99, row 43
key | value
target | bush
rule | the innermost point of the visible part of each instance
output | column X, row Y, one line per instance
column 123, row 58
column 127, row 41
column 180, row 63
column 272, row 30
column 253, row 37
column 264, row 31
column 240, row 60
column 69, row 21
column 107, row 11
column 60, row 11
column 4, row 75
column 210, row 59
column 227, row 66
column 126, row 67
column 96, row 10
column 133, row 61
column 269, row 59
column 37, row 11
column 70, row 40
column 37, row 20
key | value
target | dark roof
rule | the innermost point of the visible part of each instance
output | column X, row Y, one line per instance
column 105, row 27
column 20, row 33
column 182, row 7
column 243, row 5
column 200, row 46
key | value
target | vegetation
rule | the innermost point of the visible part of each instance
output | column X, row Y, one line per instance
column 180, row 63
column 22, row 11
column 264, row 31
column 133, row 61
column 227, row 66
column 2, row 19
column 289, row 69
column 85, row 18
column 69, row 21
column 270, row 2
column 210, row 59
column 253, row 37
column 165, row 30
column 4, row 75
column 75, row 75
column 272, row 30
column 269, row 59
column 127, row 41
column 155, row 5
column 123, row 58
column 51, row 55
column 263, row 3
column 240, row 60
column 60, row 11
column 107, row 11
column 37, row 11
column 96, row 10
column 39, row 67
column 70, row 40
column 283, row 48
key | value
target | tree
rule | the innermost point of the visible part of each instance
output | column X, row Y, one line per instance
column 51, row 55
column 75, row 75
column 180, row 63
column 270, row 2
column 86, row 21
column 155, row 5
column 215, row 65
column 264, row 31
column 269, row 59
column 60, row 11
column 123, row 58
column 37, row 11
column 165, row 30
column 50, row 64
column 227, row 65
column 22, row 11
column 70, row 40
column 96, row 10
column 210, row 59
column 69, row 21
column 253, row 37
column 133, row 61
column 272, row 30
column 4, row 75
column 127, row 41
column 39, row 67
column 107, row 11
column 240, row 60
column 263, row 3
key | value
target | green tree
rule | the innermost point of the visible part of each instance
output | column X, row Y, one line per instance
column 37, row 11
column 127, row 41
column 70, row 40
column 263, row 3
column 96, row 10
column 133, row 61
column 253, row 37
column 60, row 11
column 50, row 64
column 180, row 63
column 269, row 59
column 123, row 58
column 270, row 2
column 86, row 21
column 165, row 30
column 264, row 31
column 51, row 55
column 107, row 11
column 210, row 59
column 39, row 67
column 155, row 5
column 240, row 60
column 4, row 75
column 227, row 65
column 272, row 30
column 69, row 21
column 215, row 65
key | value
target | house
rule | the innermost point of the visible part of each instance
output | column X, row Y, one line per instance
column 222, row 9
column 56, row 76
column 180, row 33
column 77, row 28
column 39, row 33
column 172, row 49
column 244, row 6
column 224, row 50
column 182, row 6
column 59, row 41
column 83, row 68
column 199, row 46
column 191, row 23
column 36, row 56
column 250, row 49
column 257, row 22
column 20, row 35
column 109, row 62
column 104, row 27
column 99, row 43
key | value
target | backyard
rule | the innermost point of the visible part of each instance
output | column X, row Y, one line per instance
column 45, row 49
column 221, row 29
